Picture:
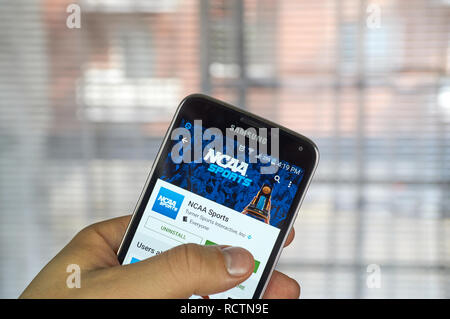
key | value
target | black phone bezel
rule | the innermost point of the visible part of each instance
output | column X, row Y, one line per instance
column 215, row 113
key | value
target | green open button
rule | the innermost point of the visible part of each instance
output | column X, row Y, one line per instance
column 209, row 243
column 256, row 266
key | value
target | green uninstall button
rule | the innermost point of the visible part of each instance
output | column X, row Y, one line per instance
column 171, row 231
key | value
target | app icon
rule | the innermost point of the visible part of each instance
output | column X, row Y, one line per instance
column 168, row 203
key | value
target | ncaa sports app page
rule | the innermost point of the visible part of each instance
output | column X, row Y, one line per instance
column 217, row 201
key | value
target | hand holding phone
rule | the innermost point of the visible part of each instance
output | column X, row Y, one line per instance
column 215, row 182
column 88, row 268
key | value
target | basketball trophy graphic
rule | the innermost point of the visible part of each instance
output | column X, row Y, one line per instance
column 259, row 207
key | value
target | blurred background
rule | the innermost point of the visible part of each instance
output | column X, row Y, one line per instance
column 83, row 112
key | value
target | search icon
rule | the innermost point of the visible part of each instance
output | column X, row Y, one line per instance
column 277, row 179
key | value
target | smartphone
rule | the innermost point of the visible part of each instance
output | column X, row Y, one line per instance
column 222, row 176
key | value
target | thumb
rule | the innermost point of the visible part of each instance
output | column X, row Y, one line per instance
column 184, row 271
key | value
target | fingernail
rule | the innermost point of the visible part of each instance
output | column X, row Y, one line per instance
column 237, row 261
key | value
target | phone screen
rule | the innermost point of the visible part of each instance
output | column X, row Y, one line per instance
column 217, row 200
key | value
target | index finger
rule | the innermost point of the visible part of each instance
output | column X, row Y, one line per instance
column 290, row 237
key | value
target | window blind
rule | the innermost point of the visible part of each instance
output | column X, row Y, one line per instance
column 83, row 112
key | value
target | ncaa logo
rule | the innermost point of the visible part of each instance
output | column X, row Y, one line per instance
column 168, row 203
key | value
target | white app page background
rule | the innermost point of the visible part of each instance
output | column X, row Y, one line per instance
column 157, row 232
